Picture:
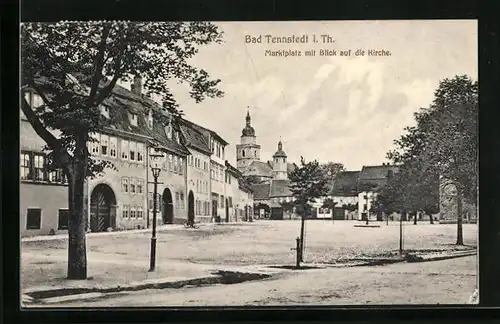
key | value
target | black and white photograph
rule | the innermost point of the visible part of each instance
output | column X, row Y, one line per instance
column 256, row 163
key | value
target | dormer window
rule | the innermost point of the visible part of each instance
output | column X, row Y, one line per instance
column 168, row 131
column 104, row 111
column 133, row 119
column 150, row 119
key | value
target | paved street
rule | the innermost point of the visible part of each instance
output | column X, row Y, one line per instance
column 123, row 258
column 440, row 282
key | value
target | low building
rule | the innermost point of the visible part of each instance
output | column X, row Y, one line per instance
column 371, row 179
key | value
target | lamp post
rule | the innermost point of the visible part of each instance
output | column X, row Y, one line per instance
column 155, row 168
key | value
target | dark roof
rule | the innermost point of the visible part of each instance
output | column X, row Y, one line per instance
column 206, row 132
column 234, row 171
column 124, row 101
column 346, row 184
column 280, row 188
column 374, row 177
column 194, row 138
column 258, row 168
column 280, row 152
column 260, row 191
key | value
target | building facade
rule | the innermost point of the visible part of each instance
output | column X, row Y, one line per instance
column 43, row 193
column 198, row 172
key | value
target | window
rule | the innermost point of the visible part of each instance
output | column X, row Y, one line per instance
column 150, row 200
column 365, row 207
column 57, row 176
column 168, row 131
column 140, row 152
column 170, row 162
column 176, row 166
column 132, row 211
column 132, row 185
column 222, row 201
column 125, row 211
column 39, row 167
column 197, row 186
column 182, row 200
column 33, row 167
column 181, row 166
column 139, row 185
column 63, row 221
column 140, row 212
column 222, row 152
column 230, row 201
column 25, row 164
column 34, row 218
column 113, row 143
column 205, row 166
column 104, row 144
column 177, row 199
column 133, row 119
column 96, row 139
column 150, row 119
column 255, row 153
column 133, row 149
column 104, row 111
column 125, row 184
column 124, row 149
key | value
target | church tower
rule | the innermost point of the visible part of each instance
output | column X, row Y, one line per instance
column 248, row 150
column 280, row 164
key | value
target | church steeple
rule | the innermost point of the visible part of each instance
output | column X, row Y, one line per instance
column 248, row 130
column 280, row 164
column 248, row 118
column 248, row 150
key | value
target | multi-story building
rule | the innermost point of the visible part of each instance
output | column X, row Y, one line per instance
column 43, row 193
column 198, row 172
column 234, row 212
column 122, row 197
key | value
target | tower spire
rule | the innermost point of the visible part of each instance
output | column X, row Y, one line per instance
column 248, row 116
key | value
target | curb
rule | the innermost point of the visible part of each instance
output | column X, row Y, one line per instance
column 60, row 294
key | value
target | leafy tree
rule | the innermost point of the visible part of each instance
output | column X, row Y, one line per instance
column 307, row 183
column 251, row 180
column 443, row 145
column 74, row 68
column 331, row 169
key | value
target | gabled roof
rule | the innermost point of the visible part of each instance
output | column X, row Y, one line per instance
column 346, row 184
column 258, row 168
column 194, row 138
column 207, row 132
column 123, row 101
column 260, row 191
column 280, row 188
column 374, row 177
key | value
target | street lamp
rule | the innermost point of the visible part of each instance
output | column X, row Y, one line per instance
column 155, row 157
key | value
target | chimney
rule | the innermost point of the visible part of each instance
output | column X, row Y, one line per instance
column 136, row 87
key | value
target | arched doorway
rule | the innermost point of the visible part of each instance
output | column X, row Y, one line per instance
column 191, row 207
column 168, row 207
column 102, row 208
column 227, row 210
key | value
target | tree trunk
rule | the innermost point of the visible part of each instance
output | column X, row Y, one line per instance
column 431, row 219
column 460, row 238
column 415, row 218
column 302, row 228
column 77, row 254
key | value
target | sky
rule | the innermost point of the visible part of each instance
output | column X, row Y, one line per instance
column 346, row 109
